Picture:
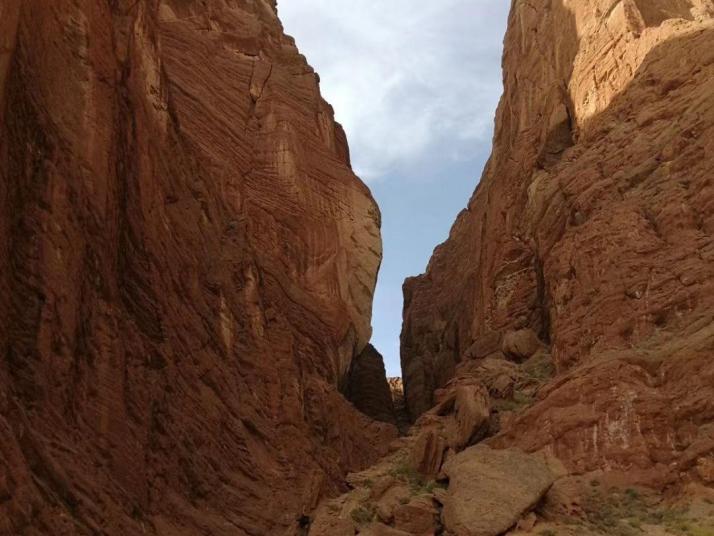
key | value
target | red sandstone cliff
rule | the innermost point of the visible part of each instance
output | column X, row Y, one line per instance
column 186, row 272
column 588, row 242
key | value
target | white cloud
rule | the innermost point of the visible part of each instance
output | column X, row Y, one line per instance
column 408, row 78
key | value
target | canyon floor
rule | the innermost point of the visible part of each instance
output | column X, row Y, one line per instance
column 442, row 477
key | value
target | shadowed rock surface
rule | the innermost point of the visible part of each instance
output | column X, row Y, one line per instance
column 187, row 265
column 588, row 243
column 367, row 386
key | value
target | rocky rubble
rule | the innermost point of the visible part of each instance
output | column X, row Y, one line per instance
column 433, row 484
column 443, row 477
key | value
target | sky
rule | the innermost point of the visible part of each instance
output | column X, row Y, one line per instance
column 415, row 83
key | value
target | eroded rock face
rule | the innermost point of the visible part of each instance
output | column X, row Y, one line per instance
column 186, row 272
column 591, row 228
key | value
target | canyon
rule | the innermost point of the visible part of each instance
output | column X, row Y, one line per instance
column 188, row 264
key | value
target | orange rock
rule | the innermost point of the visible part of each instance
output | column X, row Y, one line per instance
column 591, row 227
column 381, row 486
column 705, row 469
column 187, row 265
column 498, row 375
column 470, row 422
column 332, row 526
column 483, row 346
column 417, row 517
column 527, row 522
column 428, row 452
column 521, row 344
column 491, row 490
column 390, row 501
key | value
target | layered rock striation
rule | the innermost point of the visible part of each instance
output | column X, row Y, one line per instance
column 187, row 265
column 589, row 241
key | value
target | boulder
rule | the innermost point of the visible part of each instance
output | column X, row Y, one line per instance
column 428, row 452
column 705, row 469
column 390, row 500
column 470, row 422
column 381, row 486
column 491, row 490
column 484, row 346
column 520, row 345
column 418, row 517
column 566, row 498
column 498, row 375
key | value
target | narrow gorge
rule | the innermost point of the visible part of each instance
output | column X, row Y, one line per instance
column 188, row 265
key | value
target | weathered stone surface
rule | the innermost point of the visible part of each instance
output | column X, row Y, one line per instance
column 592, row 226
column 417, row 517
column 705, row 469
column 490, row 490
column 367, row 387
column 381, row 486
column 566, row 498
column 528, row 522
column 375, row 495
column 618, row 409
column 428, row 451
column 390, row 500
column 498, row 375
column 470, row 422
column 485, row 345
column 379, row 529
column 520, row 344
column 186, row 272
column 332, row 526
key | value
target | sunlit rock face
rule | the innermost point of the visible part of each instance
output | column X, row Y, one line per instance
column 187, row 265
column 592, row 229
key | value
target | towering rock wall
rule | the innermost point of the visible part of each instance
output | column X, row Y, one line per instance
column 186, row 272
column 593, row 228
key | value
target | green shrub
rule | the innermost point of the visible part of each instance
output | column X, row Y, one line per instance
column 362, row 514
